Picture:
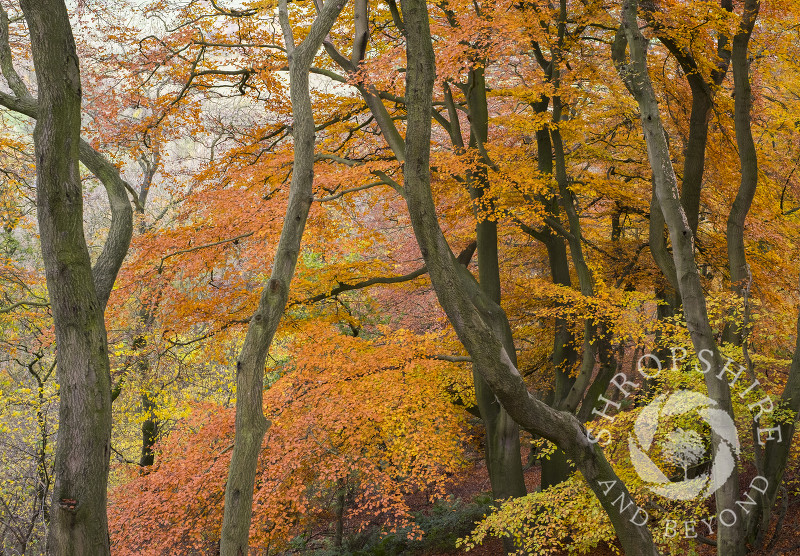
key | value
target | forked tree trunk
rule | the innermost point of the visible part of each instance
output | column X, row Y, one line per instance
column 634, row 73
column 251, row 425
column 77, row 294
column 466, row 306
column 78, row 523
column 703, row 90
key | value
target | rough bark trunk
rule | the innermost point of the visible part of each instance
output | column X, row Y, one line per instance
column 119, row 234
column 78, row 516
column 635, row 75
column 463, row 301
column 251, row 425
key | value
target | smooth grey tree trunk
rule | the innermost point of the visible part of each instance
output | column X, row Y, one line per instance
column 776, row 451
column 465, row 304
column 568, row 392
column 743, row 102
column 251, row 424
column 634, row 73
column 503, row 458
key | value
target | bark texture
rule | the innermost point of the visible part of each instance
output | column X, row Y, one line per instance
column 465, row 304
column 251, row 425
column 78, row 516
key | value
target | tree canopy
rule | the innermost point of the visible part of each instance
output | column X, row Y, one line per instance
column 379, row 277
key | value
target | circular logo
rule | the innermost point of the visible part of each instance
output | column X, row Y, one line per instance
column 684, row 448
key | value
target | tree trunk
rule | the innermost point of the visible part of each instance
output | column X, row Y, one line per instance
column 743, row 102
column 78, row 516
column 590, row 341
column 702, row 103
column 465, row 304
column 661, row 255
column 776, row 453
column 777, row 444
column 695, row 155
column 503, row 457
column 149, row 430
column 251, row 425
column 556, row 469
column 636, row 77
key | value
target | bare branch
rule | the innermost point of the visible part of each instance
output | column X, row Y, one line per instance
column 23, row 304
column 198, row 247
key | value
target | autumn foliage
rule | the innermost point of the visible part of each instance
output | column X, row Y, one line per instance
column 405, row 435
column 369, row 393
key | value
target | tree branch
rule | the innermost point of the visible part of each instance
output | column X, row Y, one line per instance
column 22, row 304
column 198, row 247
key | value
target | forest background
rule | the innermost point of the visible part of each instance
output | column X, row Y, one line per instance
column 321, row 263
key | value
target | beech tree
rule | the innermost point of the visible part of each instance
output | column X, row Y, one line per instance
column 78, row 290
column 250, row 421
column 305, row 228
column 635, row 74
column 465, row 304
